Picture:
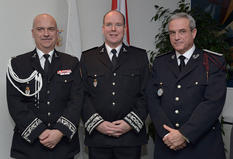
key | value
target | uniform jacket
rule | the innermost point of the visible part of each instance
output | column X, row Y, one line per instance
column 58, row 107
column 115, row 94
column 191, row 102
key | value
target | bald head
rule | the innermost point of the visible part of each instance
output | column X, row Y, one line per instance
column 116, row 12
column 43, row 16
column 45, row 32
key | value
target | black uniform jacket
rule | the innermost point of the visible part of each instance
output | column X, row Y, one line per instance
column 58, row 107
column 115, row 94
column 191, row 102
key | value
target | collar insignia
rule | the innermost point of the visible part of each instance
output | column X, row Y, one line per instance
column 124, row 49
column 102, row 50
column 34, row 55
column 173, row 57
column 195, row 56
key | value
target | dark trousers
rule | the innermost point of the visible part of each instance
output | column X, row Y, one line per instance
column 114, row 152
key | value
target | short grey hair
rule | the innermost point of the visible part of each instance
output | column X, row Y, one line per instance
column 192, row 22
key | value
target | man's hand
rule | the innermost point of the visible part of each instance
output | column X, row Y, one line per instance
column 122, row 128
column 44, row 134
column 106, row 128
column 174, row 139
column 50, row 138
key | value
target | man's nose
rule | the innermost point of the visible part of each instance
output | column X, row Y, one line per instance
column 113, row 27
column 46, row 32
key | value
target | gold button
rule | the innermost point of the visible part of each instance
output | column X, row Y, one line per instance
column 196, row 83
column 114, row 74
column 113, row 103
column 179, row 86
column 49, row 124
column 177, row 111
column 49, row 113
column 48, row 92
column 113, row 83
column 48, row 102
column 113, row 93
column 177, row 125
column 177, row 98
column 65, row 81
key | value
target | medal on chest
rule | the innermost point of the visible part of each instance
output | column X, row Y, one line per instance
column 160, row 91
column 27, row 90
column 95, row 82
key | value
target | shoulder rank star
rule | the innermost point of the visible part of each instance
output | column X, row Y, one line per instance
column 27, row 90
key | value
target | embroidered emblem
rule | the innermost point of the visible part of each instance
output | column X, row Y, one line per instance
column 92, row 122
column 134, row 121
column 64, row 72
column 27, row 132
column 102, row 50
column 195, row 56
column 64, row 121
column 173, row 57
column 124, row 50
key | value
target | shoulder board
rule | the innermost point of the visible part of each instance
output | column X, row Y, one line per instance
column 161, row 54
column 212, row 52
column 90, row 49
column 133, row 47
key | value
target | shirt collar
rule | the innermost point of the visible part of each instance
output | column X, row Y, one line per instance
column 40, row 53
column 118, row 48
column 187, row 54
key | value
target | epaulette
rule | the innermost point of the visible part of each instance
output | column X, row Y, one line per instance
column 90, row 49
column 212, row 52
column 133, row 47
column 162, row 54
column 215, row 60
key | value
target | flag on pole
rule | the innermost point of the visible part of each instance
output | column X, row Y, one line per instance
column 121, row 5
column 73, row 40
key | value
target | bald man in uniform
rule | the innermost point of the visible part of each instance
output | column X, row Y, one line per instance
column 45, row 108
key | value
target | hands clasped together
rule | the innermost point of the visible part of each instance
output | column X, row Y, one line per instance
column 50, row 138
column 115, row 129
column 174, row 139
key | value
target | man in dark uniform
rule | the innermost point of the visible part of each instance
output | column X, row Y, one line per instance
column 115, row 77
column 186, row 95
column 45, row 106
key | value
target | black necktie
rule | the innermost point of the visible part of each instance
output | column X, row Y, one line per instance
column 114, row 57
column 47, row 63
column 182, row 63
